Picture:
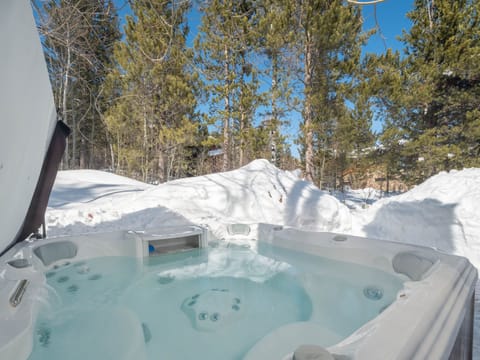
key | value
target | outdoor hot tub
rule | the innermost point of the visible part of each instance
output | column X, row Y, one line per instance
column 261, row 295
column 250, row 292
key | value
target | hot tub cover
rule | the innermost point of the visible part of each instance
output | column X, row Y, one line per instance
column 27, row 115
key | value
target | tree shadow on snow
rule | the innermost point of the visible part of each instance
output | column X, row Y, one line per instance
column 151, row 218
column 219, row 195
column 64, row 195
column 302, row 204
column 427, row 222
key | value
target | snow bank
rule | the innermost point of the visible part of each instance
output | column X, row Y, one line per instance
column 82, row 186
column 257, row 192
column 442, row 213
column 357, row 199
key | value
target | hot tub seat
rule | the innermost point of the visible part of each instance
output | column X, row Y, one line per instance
column 54, row 251
column 414, row 264
column 286, row 339
column 121, row 336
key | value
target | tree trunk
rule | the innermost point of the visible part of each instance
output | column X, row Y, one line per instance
column 161, row 166
column 171, row 163
column 308, row 110
column 322, row 169
column 275, row 116
column 274, row 86
column 242, row 137
column 73, row 158
column 226, row 121
column 112, row 156
column 64, row 104
column 388, row 182
column 83, row 153
column 145, row 144
column 118, row 167
column 92, row 162
column 243, row 115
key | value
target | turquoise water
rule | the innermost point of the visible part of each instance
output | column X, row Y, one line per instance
column 207, row 304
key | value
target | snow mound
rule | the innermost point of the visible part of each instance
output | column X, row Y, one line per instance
column 442, row 213
column 82, row 186
column 357, row 199
column 257, row 192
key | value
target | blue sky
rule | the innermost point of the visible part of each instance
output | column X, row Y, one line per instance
column 391, row 17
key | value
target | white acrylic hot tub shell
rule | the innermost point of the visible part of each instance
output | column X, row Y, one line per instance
column 426, row 318
column 422, row 323
column 16, row 329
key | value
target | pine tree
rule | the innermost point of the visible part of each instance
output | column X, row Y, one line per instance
column 152, row 115
column 443, row 47
column 276, row 44
column 246, row 98
column 225, row 49
column 329, row 47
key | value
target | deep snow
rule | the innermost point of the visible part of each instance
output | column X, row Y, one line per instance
column 441, row 212
column 258, row 192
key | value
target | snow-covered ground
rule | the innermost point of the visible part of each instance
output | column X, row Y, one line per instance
column 258, row 192
column 358, row 199
column 441, row 212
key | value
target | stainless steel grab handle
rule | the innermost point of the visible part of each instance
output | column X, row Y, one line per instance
column 17, row 295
